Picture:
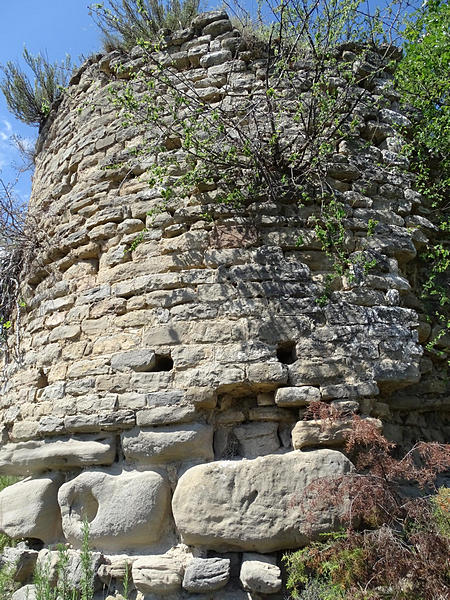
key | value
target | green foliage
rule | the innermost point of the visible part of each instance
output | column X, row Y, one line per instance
column 7, row 584
column 376, row 564
column 422, row 78
column 125, row 23
column 87, row 577
column 247, row 159
column 29, row 97
column 441, row 511
column 396, row 545
column 422, row 75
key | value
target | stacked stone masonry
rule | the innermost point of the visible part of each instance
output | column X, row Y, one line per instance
column 160, row 390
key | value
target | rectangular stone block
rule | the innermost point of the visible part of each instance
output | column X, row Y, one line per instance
column 57, row 453
column 169, row 444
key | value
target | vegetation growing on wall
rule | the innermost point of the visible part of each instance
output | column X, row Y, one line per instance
column 397, row 541
column 280, row 142
column 422, row 78
column 125, row 23
column 29, row 97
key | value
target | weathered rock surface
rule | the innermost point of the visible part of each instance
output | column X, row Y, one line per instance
column 296, row 396
column 160, row 574
column 256, row 505
column 124, row 509
column 60, row 453
column 27, row 592
column 166, row 444
column 323, row 432
column 20, row 560
column 29, row 509
column 260, row 573
column 257, row 439
column 154, row 325
column 206, row 574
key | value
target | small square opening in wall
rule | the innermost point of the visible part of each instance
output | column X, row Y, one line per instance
column 163, row 362
column 286, row 353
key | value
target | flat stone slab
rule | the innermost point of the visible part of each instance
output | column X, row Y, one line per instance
column 57, row 453
column 167, row 444
column 257, row 505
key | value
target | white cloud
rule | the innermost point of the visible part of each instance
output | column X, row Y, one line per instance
column 7, row 130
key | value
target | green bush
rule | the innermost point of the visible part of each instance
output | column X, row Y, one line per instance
column 422, row 79
column 124, row 23
column 29, row 97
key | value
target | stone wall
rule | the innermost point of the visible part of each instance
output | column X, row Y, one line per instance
column 160, row 391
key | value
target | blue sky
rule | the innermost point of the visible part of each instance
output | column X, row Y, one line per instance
column 56, row 27
column 53, row 26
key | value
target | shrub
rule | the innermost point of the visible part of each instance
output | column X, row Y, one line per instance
column 29, row 98
column 401, row 547
column 422, row 78
column 124, row 23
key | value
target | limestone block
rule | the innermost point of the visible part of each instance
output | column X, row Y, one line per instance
column 56, row 453
column 322, row 432
column 205, row 18
column 206, row 574
column 24, row 430
column 259, row 573
column 257, row 439
column 361, row 389
column 257, row 505
column 160, row 574
column 29, row 509
column 165, row 415
column 271, row 413
column 136, row 360
column 268, row 373
column 218, row 27
column 166, row 444
column 124, row 509
column 27, row 592
column 202, row 397
column 64, row 332
column 392, row 375
column 296, row 396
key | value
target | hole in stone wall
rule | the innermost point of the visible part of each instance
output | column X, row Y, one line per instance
column 163, row 362
column 42, row 381
column 34, row 543
column 286, row 353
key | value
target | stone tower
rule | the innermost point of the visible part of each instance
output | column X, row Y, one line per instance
column 160, row 388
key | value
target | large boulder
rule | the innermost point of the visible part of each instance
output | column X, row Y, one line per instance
column 125, row 509
column 29, row 509
column 258, row 505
